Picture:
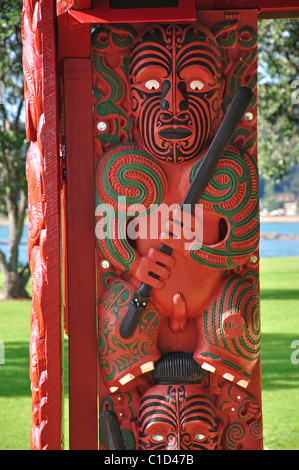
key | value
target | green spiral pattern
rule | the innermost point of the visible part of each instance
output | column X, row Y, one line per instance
column 127, row 182
column 234, row 433
column 233, row 194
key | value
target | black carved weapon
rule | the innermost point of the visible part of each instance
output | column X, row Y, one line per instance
column 110, row 431
column 203, row 175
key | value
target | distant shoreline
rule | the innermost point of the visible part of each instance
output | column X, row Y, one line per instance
column 280, row 218
column 263, row 218
column 4, row 222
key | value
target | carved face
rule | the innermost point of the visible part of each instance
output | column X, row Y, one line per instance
column 175, row 90
column 177, row 417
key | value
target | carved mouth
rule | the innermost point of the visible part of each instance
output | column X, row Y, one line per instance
column 175, row 133
column 178, row 367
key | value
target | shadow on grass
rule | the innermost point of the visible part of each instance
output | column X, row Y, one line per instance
column 274, row 294
column 15, row 372
column 277, row 370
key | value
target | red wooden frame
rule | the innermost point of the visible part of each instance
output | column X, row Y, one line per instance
column 102, row 13
column 261, row 5
column 81, row 254
column 186, row 11
column 51, row 302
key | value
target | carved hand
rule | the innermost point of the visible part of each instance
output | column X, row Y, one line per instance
column 182, row 232
column 143, row 265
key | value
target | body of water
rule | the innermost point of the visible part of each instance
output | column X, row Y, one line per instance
column 276, row 247
column 23, row 248
column 268, row 248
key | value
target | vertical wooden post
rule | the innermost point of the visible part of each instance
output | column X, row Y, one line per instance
column 81, row 254
column 42, row 171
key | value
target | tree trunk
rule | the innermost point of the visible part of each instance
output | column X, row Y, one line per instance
column 14, row 280
column 13, row 287
column 12, row 156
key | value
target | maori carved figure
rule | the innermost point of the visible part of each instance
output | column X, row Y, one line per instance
column 160, row 94
column 43, row 242
column 34, row 113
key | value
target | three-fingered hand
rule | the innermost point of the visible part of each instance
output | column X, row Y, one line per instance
column 182, row 232
column 145, row 265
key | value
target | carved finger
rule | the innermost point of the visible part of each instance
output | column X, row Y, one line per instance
column 159, row 257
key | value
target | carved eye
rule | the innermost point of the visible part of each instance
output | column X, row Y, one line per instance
column 158, row 437
column 152, row 85
column 200, row 437
column 196, row 85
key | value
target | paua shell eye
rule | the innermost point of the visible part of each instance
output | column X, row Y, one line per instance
column 199, row 436
column 158, row 437
column 196, row 85
column 152, row 85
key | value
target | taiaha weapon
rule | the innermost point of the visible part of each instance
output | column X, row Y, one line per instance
column 110, row 431
column 203, row 175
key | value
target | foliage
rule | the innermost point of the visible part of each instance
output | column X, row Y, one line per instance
column 278, row 96
column 12, row 137
column 13, row 186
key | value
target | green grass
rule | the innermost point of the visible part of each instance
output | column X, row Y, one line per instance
column 280, row 378
column 280, row 327
column 15, row 393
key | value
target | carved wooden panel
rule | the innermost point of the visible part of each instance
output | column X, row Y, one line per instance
column 160, row 92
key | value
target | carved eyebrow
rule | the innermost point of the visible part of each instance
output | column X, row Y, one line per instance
column 198, row 48
column 150, row 408
column 192, row 57
column 153, row 55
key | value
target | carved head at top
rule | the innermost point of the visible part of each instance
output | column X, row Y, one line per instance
column 175, row 80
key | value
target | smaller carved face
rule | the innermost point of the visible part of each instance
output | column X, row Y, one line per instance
column 177, row 417
column 175, row 90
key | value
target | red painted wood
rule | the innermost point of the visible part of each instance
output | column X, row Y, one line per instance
column 102, row 13
column 72, row 41
column 262, row 5
column 181, row 317
column 266, row 8
column 42, row 169
column 82, row 4
column 81, row 254
column 52, row 301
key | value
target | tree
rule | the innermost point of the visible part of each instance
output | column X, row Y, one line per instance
column 278, row 97
column 13, row 185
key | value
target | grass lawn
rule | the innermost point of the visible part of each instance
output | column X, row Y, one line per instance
column 280, row 378
column 15, row 393
column 279, row 281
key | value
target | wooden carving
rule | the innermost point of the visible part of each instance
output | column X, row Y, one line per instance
column 160, row 93
column 43, row 236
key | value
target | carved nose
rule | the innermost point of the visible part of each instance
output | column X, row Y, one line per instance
column 183, row 102
column 164, row 103
column 174, row 98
